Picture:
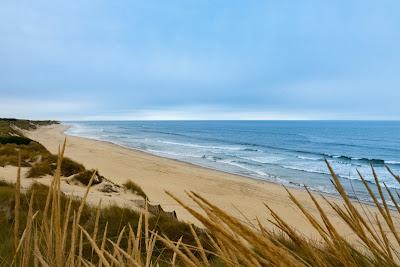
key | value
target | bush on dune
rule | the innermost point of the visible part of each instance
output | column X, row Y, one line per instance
column 7, row 160
column 134, row 188
column 70, row 167
column 7, row 125
column 48, row 164
column 18, row 140
column 33, row 154
column 29, row 154
column 40, row 169
column 84, row 177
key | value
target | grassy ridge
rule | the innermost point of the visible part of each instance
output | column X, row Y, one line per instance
column 36, row 156
column 12, row 140
column 33, row 154
column 8, row 126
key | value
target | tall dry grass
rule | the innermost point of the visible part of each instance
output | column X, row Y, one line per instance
column 58, row 238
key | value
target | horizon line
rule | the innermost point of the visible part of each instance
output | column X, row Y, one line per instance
column 88, row 120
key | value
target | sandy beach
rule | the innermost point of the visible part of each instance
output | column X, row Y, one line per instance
column 243, row 197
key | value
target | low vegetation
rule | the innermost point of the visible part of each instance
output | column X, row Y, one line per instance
column 40, row 169
column 30, row 153
column 134, row 188
column 44, row 214
column 47, row 166
column 84, row 177
column 33, row 154
column 9, row 127
column 5, row 183
column 18, row 140
column 48, row 163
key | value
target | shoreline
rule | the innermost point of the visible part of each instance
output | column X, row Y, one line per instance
column 242, row 176
column 241, row 196
column 291, row 185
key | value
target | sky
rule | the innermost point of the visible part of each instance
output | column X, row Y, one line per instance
column 134, row 60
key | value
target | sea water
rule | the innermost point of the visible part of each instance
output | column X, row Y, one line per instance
column 292, row 153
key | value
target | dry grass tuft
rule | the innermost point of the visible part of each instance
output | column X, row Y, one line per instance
column 85, row 177
column 134, row 188
column 29, row 154
column 9, row 127
column 33, row 154
column 48, row 165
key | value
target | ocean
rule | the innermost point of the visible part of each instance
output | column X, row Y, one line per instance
column 291, row 153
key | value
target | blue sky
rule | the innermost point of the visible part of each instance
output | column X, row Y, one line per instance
column 200, row 59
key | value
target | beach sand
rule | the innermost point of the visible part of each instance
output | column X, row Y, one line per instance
column 240, row 196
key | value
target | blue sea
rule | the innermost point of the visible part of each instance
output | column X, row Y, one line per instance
column 285, row 152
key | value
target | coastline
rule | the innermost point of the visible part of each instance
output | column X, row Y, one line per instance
column 242, row 196
column 289, row 185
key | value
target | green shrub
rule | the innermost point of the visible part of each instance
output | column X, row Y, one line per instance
column 135, row 189
column 18, row 140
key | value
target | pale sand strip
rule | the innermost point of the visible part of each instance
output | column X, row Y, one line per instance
column 156, row 174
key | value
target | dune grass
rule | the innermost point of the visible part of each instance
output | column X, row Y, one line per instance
column 30, row 153
column 36, row 156
column 4, row 183
column 48, row 164
column 114, row 218
column 377, row 233
column 12, row 141
column 134, row 188
column 18, row 140
column 56, row 230
column 84, row 177
column 8, row 127
column 52, row 227
column 33, row 154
